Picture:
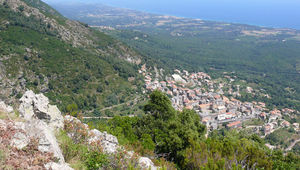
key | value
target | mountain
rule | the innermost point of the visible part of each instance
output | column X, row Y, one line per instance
column 48, row 61
column 68, row 61
column 266, row 57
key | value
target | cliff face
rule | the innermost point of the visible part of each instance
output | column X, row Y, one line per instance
column 30, row 141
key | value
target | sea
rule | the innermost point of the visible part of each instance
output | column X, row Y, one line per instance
column 269, row 13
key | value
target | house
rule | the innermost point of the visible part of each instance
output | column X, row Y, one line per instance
column 190, row 107
column 285, row 123
column 204, row 107
column 236, row 124
column 226, row 116
column 263, row 115
column 268, row 128
column 296, row 126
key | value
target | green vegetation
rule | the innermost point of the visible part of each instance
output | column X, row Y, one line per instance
column 80, row 156
column 269, row 65
column 35, row 52
column 179, row 137
column 254, row 122
column 73, row 153
column 282, row 137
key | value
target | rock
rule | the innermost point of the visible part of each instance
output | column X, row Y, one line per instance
column 36, row 106
column 6, row 108
column 146, row 163
column 20, row 140
column 47, row 140
column 36, row 129
column 56, row 166
column 108, row 142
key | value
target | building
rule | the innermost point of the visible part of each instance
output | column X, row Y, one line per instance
column 236, row 124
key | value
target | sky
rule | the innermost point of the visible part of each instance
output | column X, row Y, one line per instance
column 272, row 13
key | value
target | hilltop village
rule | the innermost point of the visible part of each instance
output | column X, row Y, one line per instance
column 198, row 91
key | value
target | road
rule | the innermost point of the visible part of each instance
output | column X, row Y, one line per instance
column 105, row 117
column 111, row 107
column 292, row 145
column 242, row 119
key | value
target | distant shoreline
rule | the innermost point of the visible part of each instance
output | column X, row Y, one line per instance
column 215, row 18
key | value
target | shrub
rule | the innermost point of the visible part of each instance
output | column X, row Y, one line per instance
column 96, row 160
column 21, row 8
column 69, row 148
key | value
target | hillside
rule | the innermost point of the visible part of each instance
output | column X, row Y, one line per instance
column 266, row 57
column 68, row 61
column 73, row 97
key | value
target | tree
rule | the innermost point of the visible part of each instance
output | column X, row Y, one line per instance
column 171, row 130
column 72, row 109
column 160, row 106
column 21, row 8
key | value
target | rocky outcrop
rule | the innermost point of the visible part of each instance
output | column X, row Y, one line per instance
column 146, row 163
column 36, row 106
column 78, row 130
column 38, row 130
column 5, row 108
column 108, row 142
column 30, row 145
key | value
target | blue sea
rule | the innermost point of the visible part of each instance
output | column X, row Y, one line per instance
column 271, row 13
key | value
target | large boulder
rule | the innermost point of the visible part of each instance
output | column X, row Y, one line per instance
column 39, row 130
column 36, row 106
column 146, row 163
column 109, row 143
column 30, row 141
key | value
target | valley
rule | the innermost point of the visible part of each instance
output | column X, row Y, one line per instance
column 121, row 89
column 267, row 57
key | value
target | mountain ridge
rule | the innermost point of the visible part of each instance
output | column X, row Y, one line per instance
column 44, row 52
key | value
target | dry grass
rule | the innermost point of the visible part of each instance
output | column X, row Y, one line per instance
column 10, row 116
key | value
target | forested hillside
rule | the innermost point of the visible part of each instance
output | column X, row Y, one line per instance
column 266, row 57
column 68, row 61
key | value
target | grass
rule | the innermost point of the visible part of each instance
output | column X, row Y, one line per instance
column 254, row 122
column 280, row 137
column 11, row 116
column 72, row 152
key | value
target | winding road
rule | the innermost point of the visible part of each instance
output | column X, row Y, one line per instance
column 292, row 145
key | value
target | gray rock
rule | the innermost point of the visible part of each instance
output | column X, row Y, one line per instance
column 5, row 108
column 108, row 142
column 36, row 129
column 20, row 140
column 56, row 166
column 146, row 163
column 36, row 106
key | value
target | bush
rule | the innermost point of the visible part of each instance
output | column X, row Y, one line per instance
column 69, row 149
column 96, row 160
column 21, row 8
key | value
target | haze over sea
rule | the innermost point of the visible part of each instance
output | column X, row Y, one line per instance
column 271, row 13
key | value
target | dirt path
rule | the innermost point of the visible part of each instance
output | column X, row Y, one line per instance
column 292, row 145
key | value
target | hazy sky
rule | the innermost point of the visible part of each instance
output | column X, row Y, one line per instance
column 276, row 13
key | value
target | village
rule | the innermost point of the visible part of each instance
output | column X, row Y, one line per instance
column 199, row 92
